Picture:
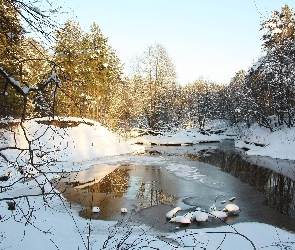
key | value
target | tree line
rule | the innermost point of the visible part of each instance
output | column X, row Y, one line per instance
column 91, row 83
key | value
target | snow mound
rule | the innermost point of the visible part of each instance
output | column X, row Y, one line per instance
column 77, row 140
column 260, row 141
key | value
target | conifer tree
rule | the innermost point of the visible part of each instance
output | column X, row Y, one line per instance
column 10, row 36
column 91, row 72
column 22, row 58
column 272, row 78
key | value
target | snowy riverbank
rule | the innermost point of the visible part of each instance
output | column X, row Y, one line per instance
column 256, row 140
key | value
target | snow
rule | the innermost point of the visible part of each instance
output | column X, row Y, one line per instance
column 278, row 144
column 200, row 216
column 25, row 90
column 182, row 137
column 171, row 213
column 231, row 207
column 51, row 222
column 66, row 146
column 217, row 214
column 232, row 238
column 124, row 210
column 95, row 210
column 180, row 219
column 16, row 83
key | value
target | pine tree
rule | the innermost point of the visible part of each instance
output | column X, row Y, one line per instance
column 23, row 58
column 272, row 78
column 67, row 55
column 91, row 72
column 106, row 75
column 10, row 36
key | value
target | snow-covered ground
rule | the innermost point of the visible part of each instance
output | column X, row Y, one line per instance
column 257, row 140
column 50, row 222
column 260, row 141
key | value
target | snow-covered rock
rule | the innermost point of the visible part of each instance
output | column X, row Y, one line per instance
column 95, row 210
column 200, row 216
column 172, row 212
column 124, row 210
column 176, row 219
column 181, row 219
column 218, row 214
column 232, row 209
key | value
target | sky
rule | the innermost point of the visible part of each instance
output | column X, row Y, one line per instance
column 213, row 39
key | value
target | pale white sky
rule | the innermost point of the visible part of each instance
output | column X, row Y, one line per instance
column 209, row 38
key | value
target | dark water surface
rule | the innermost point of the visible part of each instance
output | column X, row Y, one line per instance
column 275, row 178
column 149, row 192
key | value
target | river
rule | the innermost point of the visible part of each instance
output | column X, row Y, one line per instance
column 189, row 177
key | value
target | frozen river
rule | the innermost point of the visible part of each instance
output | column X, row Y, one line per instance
column 151, row 189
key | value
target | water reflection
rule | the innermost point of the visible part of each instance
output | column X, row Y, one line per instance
column 117, row 182
column 116, row 190
column 278, row 189
column 148, row 196
column 280, row 193
column 148, row 192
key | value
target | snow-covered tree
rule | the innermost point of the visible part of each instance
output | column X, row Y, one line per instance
column 202, row 101
column 10, row 36
column 232, row 101
column 272, row 78
column 22, row 58
column 208, row 103
column 193, row 94
column 154, row 73
column 278, row 28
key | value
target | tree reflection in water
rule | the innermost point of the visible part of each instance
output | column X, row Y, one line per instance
column 280, row 193
column 124, row 187
column 278, row 189
column 148, row 196
column 116, row 182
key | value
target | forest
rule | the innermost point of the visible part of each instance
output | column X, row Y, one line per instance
column 66, row 71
